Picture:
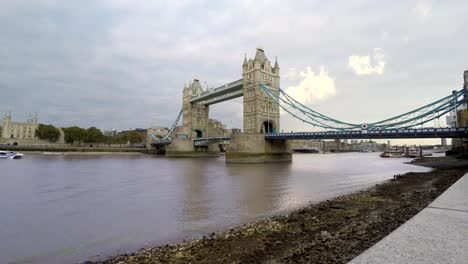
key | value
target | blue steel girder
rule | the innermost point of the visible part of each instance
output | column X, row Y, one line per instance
column 461, row 132
column 223, row 93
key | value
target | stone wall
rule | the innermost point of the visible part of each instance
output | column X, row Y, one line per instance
column 184, row 148
column 253, row 148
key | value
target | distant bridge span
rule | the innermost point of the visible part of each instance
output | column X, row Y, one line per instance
column 461, row 132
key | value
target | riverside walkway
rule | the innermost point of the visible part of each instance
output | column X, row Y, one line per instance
column 437, row 234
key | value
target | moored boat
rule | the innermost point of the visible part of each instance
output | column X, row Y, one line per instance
column 306, row 150
column 392, row 154
column 10, row 155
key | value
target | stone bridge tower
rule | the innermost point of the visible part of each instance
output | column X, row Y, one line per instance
column 261, row 114
column 195, row 116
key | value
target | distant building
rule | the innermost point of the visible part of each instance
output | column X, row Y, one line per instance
column 235, row 131
column 215, row 128
column 157, row 132
column 19, row 130
column 443, row 141
column 306, row 144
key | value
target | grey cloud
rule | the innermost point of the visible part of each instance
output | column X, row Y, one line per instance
column 124, row 63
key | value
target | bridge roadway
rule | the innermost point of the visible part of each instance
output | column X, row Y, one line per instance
column 461, row 132
column 223, row 93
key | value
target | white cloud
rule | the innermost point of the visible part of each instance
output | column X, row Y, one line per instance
column 362, row 65
column 313, row 86
column 423, row 9
column 385, row 35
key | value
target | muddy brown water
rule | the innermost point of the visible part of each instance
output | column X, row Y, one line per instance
column 71, row 208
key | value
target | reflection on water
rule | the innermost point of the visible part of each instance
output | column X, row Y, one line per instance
column 69, row 208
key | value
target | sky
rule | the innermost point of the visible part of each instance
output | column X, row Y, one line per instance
column 123, row 63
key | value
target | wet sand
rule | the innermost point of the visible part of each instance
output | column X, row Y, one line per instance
column 333, row 231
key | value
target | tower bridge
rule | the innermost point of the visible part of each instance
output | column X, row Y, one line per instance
column 262, row 100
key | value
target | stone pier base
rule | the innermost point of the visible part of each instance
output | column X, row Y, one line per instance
column 184, row 148
column 159, row 150
column 253, row 148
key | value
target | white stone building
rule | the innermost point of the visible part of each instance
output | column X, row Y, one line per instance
column 19, row 130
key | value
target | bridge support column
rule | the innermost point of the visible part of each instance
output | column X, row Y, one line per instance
column 253, row 148
column 184, row 148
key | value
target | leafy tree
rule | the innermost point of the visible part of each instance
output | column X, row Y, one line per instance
column 134, row 137
column 94, row 135
column 74, row 134
column 48, row 132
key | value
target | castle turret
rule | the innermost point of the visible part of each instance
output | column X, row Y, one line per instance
column 6, row 128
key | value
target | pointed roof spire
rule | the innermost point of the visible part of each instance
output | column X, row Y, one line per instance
column 245, row 60
column 276, row 63
column 260, row 55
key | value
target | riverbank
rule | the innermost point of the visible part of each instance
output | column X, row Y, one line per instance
column 333, row 231
column 46, row 148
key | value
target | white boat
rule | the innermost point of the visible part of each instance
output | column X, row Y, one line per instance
column 10, row 155
column 392, row 154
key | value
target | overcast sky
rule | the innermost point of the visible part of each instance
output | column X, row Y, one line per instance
column 123, row 63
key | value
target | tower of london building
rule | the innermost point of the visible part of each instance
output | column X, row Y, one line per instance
column 19, row 130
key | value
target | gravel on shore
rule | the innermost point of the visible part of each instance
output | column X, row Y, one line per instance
column 333, row 231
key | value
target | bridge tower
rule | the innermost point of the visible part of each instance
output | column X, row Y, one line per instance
column 195, row 116
column 261, row 114
column 194, row 125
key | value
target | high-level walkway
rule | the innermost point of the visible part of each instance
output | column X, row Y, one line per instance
column 437, row 234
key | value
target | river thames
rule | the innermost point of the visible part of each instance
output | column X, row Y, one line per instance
column 73, row 208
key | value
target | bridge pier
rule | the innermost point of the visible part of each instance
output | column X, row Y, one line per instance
column 158, row 149
column 254, row 148
column 184, row 148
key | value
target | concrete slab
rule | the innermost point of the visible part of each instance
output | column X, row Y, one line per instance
column 438, row 234
column 456, row 197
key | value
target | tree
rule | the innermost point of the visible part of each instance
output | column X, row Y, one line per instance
column 94, row 135
column 74, row 134
column 48, row 132
column 134, row 137
column 130, row 136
